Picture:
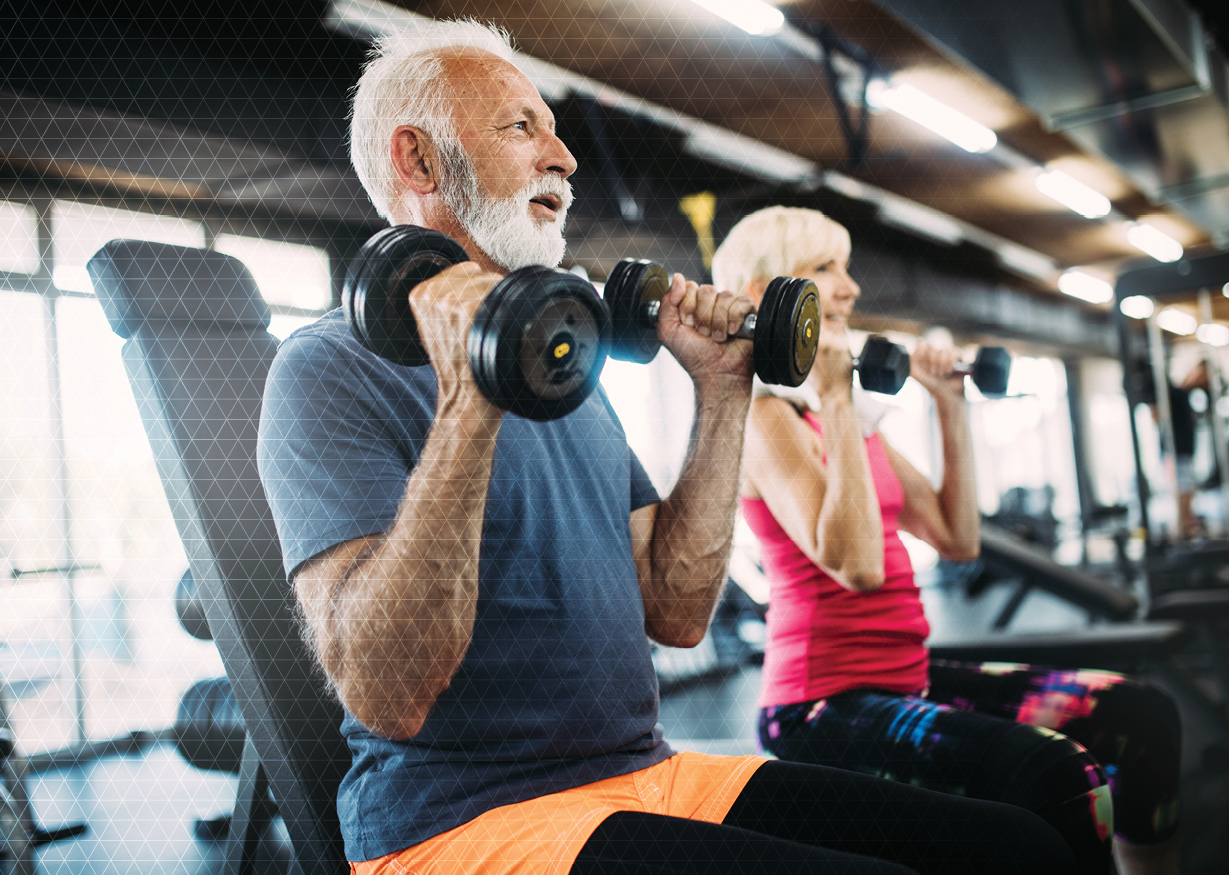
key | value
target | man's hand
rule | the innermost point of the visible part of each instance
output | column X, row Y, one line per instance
column 695, row 323
column 444, row 308
column 932, row 367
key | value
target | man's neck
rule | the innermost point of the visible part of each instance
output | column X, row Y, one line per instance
column 441, row 219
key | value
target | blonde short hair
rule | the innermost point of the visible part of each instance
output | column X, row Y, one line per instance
column 773, row 242
column 404, row 84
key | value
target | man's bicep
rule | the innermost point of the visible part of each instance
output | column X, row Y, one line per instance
column 332, row 466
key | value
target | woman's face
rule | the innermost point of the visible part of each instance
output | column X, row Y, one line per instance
column 837, row 290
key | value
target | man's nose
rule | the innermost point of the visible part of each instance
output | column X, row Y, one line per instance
column 556, row 158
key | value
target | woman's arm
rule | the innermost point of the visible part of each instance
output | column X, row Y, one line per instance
column 829, row 510
column 949, row 519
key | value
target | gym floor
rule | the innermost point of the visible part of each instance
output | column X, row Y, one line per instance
column 141, row 808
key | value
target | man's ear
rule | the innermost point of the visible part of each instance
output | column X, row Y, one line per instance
column 413, row 159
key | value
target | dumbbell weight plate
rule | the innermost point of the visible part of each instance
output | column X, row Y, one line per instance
column 375, row 297
column 991, row 369
column 538, row 342
column 786, row 331
column 883, row 366
column 631, row 286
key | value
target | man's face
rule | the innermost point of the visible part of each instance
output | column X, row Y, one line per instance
column 514, row 160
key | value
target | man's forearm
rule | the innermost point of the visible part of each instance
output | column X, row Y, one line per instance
column 695, row 525
column 401, row 611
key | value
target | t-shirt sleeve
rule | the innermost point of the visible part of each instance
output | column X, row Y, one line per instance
column 331, row 468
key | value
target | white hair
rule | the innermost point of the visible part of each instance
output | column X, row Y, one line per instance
column 403, row 84
column 774, row 242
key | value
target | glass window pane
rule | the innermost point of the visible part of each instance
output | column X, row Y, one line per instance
column 1024, row 440
column 27, row 503
column 138, row 659
column 655, row 403
column 281, row 327
column 18, row 238
column 287, row 273
column 80, row 230
column 33, row 622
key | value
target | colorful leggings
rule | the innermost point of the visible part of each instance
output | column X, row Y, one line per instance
column 988, row 731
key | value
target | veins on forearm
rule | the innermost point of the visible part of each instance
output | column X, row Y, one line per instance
column 694, row 530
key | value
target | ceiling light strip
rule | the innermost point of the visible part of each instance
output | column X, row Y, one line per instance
column 719, row 145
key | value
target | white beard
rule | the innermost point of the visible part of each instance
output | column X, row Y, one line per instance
column 503, row 228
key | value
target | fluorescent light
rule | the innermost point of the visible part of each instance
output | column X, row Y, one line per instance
column 700, row 139
column 1086, row 287
column 1073, row 194
column 1158, row 244
column 921, row 220
column 1137, row 306
column 1025, row 261
column 753, row 16
column 1177, row 321
column 930, row 113
column 1213, row 334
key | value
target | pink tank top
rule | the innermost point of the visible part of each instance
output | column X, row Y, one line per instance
column 824, row 639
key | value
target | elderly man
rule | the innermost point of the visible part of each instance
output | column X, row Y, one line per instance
column 478, row 587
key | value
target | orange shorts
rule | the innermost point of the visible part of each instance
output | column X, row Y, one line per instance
column 544, row 836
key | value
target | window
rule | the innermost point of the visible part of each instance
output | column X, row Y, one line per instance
column 80, row 230
column 1025, row 439
column 655, row 405
column 288, row 274
column 18, row 238
column 137, row 658
column 79, row 484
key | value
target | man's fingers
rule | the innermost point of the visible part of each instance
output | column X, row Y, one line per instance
column 705, row 306
column 687, row 306
column 738, row 313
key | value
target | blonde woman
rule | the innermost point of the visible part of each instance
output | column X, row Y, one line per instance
column 847, row 677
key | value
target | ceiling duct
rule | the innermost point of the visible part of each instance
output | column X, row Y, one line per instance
column 1136, row 81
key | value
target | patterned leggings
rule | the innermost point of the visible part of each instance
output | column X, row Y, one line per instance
column 988, row 731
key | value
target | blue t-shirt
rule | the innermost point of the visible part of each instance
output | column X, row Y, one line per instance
column 557, row 688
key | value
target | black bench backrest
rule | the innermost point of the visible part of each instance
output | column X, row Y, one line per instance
column 197, row 356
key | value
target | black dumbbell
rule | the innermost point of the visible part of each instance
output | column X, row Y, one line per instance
column 990, row 369
column 884, row 367
column 784, row 330
column 538, row 340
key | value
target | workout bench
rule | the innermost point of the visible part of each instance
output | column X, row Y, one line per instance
column 197, row 354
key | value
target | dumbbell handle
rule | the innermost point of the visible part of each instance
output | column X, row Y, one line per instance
column 960, row 369
column 746, row 332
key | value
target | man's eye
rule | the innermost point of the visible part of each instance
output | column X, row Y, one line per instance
column 524, row 126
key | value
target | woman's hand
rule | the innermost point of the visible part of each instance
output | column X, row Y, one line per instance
column 932, row 367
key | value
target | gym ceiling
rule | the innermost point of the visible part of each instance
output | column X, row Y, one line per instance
column 238, row 110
